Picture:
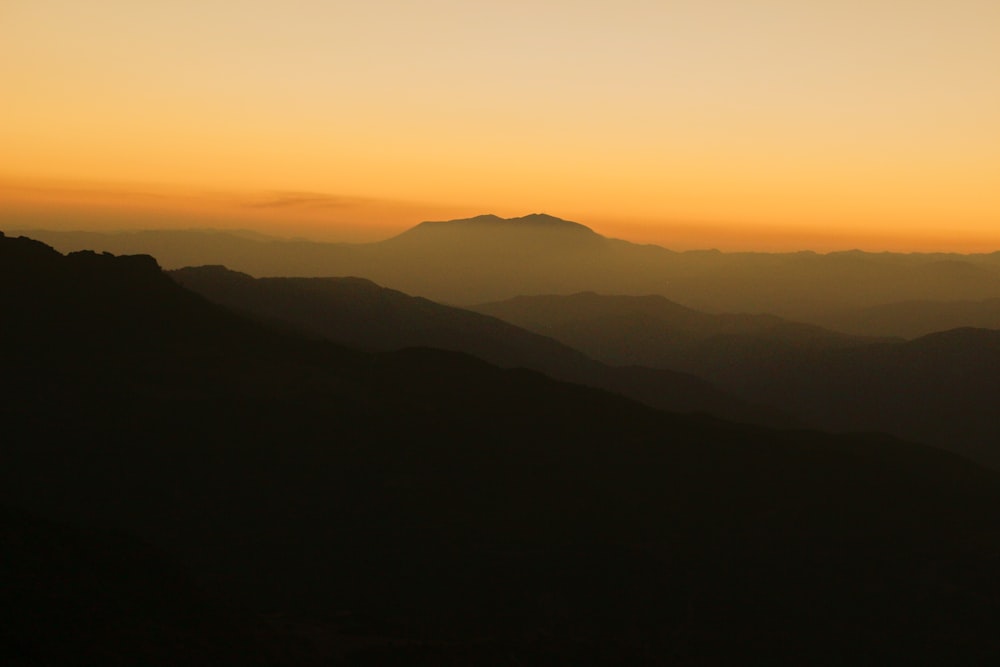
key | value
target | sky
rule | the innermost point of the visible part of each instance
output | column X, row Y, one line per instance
column 731, row 124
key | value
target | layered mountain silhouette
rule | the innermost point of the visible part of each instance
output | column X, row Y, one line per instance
column 360, row 314
column 425, row 507
column 912, row 319
column 487, row 258
column 942, row 389
column 654, row 331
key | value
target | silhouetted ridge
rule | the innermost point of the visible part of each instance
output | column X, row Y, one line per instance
column 955, row 338
column 652, row 330
column 20, row 253
column 941, row 389
column 358, row 313
column 24, row 259
column 22, row 249
column 912, row 319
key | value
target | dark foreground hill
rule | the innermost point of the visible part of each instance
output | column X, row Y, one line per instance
column 423, row 507
column 942, row 389
column 79, row 594
column 360, row 314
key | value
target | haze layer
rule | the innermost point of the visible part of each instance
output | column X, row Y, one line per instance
column 738, row 125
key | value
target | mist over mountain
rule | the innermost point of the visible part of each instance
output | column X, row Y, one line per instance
column 941, row 389
column 654, row 331
column 912, row 319
column 487, row 258
column 360, row 314
column 423, row 506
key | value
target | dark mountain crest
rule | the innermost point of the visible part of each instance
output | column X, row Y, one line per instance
column 17, row 252
column 959, row 338
column 623, row 313
column 358, row 313
column 220, row 274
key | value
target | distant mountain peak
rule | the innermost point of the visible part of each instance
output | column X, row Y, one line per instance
column 546, row 219
column 532, row 221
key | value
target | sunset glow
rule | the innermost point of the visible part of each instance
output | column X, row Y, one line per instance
column 760, row 124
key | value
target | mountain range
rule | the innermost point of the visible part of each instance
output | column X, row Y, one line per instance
column 487, row 258
column 942, row 388
column 422, row 506
column 665, row 355
column 912, row 319
column 360, row 314
column 654, row 331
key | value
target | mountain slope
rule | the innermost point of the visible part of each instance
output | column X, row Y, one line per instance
column 654, row 331
column 452, row 511
column 360, row 314
column 912, row 319
column 941, row 389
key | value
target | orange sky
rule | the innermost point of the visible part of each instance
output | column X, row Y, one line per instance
column 736, row 124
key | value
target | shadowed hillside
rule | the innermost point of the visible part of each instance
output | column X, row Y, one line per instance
column 654, row 331
column 425, row 507
column 912, row 319
column 941, row 389
column 360, row 314
column 75, row 595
